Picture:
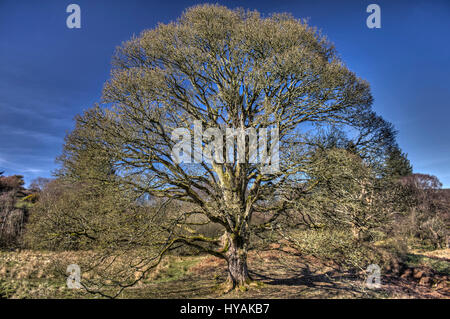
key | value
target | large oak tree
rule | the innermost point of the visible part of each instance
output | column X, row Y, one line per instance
column 226, row 69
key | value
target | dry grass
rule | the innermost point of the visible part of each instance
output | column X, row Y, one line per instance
column 280, row 274
column 443, row 254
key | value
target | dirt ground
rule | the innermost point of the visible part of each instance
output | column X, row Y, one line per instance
column 277, row 275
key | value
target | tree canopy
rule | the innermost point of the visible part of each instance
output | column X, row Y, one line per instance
column 226, row 69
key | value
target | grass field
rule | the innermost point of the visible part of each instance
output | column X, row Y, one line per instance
column 29, row 274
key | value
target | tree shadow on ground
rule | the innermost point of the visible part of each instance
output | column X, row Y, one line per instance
column 324, row 284
column 295, row 277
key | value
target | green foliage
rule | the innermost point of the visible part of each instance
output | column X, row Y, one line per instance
column 346, row 194
column 440, row 266
column 396, row 164
column 338, row 246
column 173, row 269
column 428, row 216
column 7, row 289
column 77, row 215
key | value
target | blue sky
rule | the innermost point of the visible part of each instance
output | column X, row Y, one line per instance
column 49, row 73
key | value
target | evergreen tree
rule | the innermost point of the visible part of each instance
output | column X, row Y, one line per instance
column 397, row 163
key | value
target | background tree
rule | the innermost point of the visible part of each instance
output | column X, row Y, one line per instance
column 14, row 206
column 429, row 216
column 225, row 69
column 397, row 164
column 86, row 205
column 38, row 184
column 88, row 208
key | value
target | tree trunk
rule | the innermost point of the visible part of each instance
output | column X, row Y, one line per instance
column 236, row 256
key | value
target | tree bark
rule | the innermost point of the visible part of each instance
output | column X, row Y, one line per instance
column 236, row 256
